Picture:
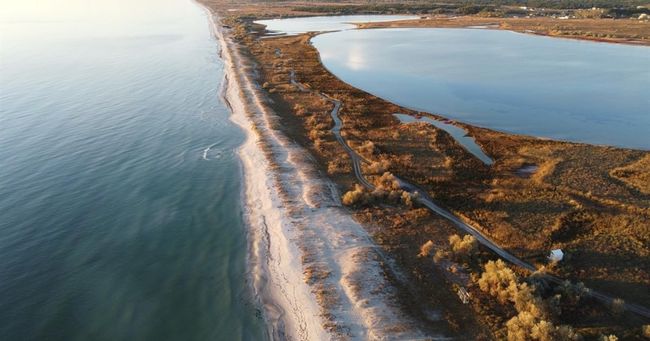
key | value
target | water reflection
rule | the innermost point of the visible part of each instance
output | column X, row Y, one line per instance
column 331, row 23
column 557, row 88
column 459, row 134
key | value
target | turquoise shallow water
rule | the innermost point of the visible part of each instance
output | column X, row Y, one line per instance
column 548, row 87
column 119, row 182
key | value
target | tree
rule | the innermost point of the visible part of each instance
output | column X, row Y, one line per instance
column 525, row 327
column 645, row 331
column 532, row 319
column 496, row 279
column 524, row 298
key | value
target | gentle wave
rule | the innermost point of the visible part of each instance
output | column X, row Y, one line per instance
column 207, row 150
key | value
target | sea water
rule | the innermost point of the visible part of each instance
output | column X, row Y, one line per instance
column 120, row 208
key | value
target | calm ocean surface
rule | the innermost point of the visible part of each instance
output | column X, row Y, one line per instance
column 120, row 214
column 548, row 87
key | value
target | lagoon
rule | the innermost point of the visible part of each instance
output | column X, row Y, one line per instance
column 459, row 134
column 554, row 88
column 324, row 23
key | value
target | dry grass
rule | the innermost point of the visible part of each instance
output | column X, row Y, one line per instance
column 572, row 190
column 610, row 30
column 591, row 201
column 635, row 174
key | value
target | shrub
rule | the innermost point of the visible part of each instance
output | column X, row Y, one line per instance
column 539, row 280
column 468, row 10
column 321, row 126
column 407, row 199
column 463, row 247
column 520, row 327
column 337, row 166
column 572, row 292
column 567, row 333
column 501, row 282
column 426, row 249
column 524, row 298
column 356, row 196
column 525, row 326
column 315, row 134
column 531, row 321
column 312, row 121
column 496, row 279
column 590, row 13
column 300, row 110
column 608, row 338
column 543, row 331
column 388, row 182
column 319, row 144
column 618, row 306
column 377, row 167
column 440, row 255
column 387, row 188
column 367, row 148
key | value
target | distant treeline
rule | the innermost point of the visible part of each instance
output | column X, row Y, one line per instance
column 560, row 4
column 614, row 8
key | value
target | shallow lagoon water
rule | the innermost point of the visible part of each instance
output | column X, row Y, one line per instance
column 327, row 23
column 547, row 87
column 119, row 182
column 458, row 133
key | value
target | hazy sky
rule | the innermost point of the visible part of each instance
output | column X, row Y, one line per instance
column 52, row 20
column 35, row 29
column 41, row 10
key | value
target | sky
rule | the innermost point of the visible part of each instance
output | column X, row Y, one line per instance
column 65, row 10
column 53, row 20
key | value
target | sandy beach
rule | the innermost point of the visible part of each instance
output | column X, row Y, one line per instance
column 315, row 270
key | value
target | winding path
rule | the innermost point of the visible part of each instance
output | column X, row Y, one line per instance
column 424, row 199
column 356, row 158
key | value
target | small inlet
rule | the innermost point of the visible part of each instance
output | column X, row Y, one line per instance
column 459, row 134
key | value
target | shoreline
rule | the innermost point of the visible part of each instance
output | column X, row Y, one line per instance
column 258, row 238
column 506, row 24
column 622, row 41
column 255, row 272
column 312, row 266
column 470, row 127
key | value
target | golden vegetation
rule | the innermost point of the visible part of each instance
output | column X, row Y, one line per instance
column 586, row 27
column 587, row 200
column 533, row 319
column 387, row 189
column 635, row 174
column 426, row 249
